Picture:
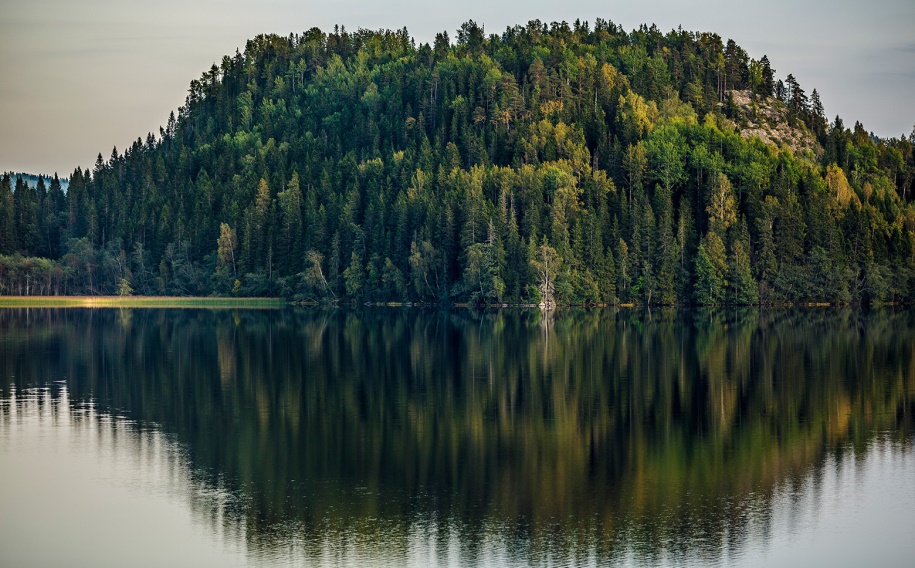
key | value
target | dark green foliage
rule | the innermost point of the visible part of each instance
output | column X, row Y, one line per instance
column 358, row 166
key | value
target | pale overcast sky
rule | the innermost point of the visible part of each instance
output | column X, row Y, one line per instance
column 81, row 77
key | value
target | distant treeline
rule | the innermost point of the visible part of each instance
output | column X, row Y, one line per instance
column 32, row 179
column 558, row 162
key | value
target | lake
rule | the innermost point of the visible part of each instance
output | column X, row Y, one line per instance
column 387, row 437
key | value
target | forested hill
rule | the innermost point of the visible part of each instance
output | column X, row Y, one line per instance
column 579, row 163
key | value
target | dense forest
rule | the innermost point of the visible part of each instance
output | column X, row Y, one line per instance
column 551, row 163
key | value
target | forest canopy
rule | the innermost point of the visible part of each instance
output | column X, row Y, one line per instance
column 574, row 164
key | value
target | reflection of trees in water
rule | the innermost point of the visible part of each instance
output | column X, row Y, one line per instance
column 597, row 430
column 131, row 453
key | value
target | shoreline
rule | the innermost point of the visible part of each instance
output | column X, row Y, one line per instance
column 178, row 302
column 139, row 302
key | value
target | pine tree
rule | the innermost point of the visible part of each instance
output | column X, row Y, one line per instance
column 8, row 241
column 711, row 269
column 781, row 92
column 768, row 77
column 818, row 115
column 743, row 287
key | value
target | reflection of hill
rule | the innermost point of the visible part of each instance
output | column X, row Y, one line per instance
column 602, row 427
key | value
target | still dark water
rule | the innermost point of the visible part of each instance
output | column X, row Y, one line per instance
column 602, row 438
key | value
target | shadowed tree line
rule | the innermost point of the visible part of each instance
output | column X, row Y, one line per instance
column 558, row 162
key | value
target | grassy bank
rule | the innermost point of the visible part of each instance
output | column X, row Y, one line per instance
column 136, row 302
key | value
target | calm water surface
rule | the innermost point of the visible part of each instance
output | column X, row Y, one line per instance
column 310, row 438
